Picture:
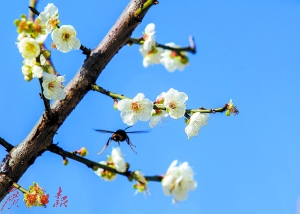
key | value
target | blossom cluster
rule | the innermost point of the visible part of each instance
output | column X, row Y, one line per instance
column 36, row 196
column 141, row 108
column 32, row 35
column 177, row 181
column 152, row 54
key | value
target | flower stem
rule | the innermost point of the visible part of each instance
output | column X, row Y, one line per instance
column 20, row 188
column 108, row 93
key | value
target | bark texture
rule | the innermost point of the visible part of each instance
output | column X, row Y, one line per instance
column 40, row 137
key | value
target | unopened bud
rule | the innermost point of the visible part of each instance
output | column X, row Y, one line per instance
column 116, row 104
column 23, row 16
column 83, row 152
column 17, row 22
column 227, row 113
column 46, row 53
column 65, row 161
column 53, row 45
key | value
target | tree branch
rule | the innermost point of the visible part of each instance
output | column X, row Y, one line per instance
column 6, row 145
column 57, row 150
column 158, row 106
column 40, row 137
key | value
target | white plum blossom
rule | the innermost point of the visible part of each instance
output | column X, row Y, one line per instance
column 138, row 108
column 172, row 60
column 175, row 103
column 31, row 65
column 151, row 57
column 29, row 48
column 178, row 181
column 53, row 88
column 148, row 37
column 104, row 174
column 49, row 17
column 21, row 36
column 41, row 38
column 141, row 185
column 196, row 121
column 65, row 39
column 118, row 160
column 157, row 115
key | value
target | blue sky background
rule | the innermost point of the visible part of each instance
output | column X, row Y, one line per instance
column 247, row 50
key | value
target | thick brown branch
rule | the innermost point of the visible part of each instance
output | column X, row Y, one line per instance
column 40, row 137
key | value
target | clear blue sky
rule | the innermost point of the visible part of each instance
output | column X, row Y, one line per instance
column 247, row 50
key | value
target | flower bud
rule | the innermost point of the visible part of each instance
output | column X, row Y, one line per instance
column 23, row 16
column 17, row 22
column 27, row 78
column 46, row 54
column 65, row 161
column 83, row 152
column 227, row 113
column 116, row 104
column 49, row 69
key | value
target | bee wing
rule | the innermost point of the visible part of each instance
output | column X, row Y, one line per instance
column 137, row 132
column 103, row 131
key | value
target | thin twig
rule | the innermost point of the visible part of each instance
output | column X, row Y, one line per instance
column 6, row 145
column 191, row 48
column 156, row 106
column 58, row 150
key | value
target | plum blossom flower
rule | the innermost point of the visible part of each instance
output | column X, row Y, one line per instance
column 49, row 17
column 114, row 161
column 65, row 39
column 52, row 86
column 231, row 109
column 138, row 108
column 29, row 48
column 148, row 37
column 152, row 56
column 105, row 174
column 175, row 103
column 172, row 60
column 32, row 68
column 178, row 181
column 196, row 121
column 36, row 196
column 141, row 185
column 118, row 160
column 157, row 115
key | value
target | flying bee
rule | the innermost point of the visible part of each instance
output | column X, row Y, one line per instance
column 119, row 136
